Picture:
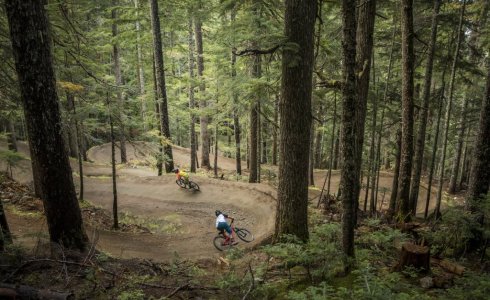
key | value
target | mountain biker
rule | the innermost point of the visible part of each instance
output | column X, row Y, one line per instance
column 181, row 174
column 223, row 226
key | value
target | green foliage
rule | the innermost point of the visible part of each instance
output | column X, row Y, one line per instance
column 365, row 285
column 11, row 158
column 136, row 294
column 462, row 226
column 380, row 239
column 322, row 252
column 472, row 285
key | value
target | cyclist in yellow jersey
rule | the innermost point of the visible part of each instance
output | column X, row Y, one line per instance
column 182, row 174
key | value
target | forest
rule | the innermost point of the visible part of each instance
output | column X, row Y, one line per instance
column 347, row 140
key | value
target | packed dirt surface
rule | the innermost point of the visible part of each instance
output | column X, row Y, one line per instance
column 141, row 153
column 181, row 221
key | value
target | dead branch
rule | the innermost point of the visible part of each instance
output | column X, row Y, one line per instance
column 252, row 284
column 249, row 52
column 176, row 290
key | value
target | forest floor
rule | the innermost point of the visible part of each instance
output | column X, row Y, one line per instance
column 180, row 222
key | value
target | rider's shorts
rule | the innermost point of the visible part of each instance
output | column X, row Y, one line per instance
column 224, row 226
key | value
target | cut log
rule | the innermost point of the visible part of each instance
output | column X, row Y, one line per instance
column 450, row 266
column 414, row 256
column 12, row 291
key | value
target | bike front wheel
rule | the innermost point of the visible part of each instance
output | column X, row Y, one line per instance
column 244, row 234
column 219, row 241
column 194, row 186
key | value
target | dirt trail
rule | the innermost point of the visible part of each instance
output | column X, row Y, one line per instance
column 141, row 152
column 182, row 221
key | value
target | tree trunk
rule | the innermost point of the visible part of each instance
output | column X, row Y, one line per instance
column 366, row 12
column 79, row 134
column 480, row 167
column 264, row 142
column 141, row 71
column 403, row 196
column 296, row 87
column 236, row 120
column 11, row 136
column 336, row 151
column 420, row 144
column 396, row 172
column 215, row 168
column 205, row 139
column 447, row 118
column 377, row 165
column 318, row 141
column 72, row 136
column 349, row 176
column 161, row 88
column 453, row 183
column 332, row 141
column 191, row 95
column 311, row 162
column 30, row 36
column 254, row 125
column 118, row 77
column 274, row 133
column 115, row 219
column 6, row 236
column 464, row 168
column 372, row 152
column 159, row 163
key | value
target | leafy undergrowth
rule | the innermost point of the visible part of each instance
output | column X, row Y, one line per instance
column 287, row 270
column 295, row 270
column 95, row 275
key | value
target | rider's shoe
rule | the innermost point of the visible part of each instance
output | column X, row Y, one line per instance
column 233, row 242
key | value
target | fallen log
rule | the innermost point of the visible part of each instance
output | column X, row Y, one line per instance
column 12, row 291
column 449, row 266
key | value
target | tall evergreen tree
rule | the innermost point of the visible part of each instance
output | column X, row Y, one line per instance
column 407, row 109
column 296, row 87
column 161, row 87
column 31, row 43
column 349, row 176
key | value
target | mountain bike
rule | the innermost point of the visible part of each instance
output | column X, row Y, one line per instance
column 222, row 244
column 190, row 185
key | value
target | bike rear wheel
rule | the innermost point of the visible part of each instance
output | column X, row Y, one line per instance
column 194, row 186
column 244, row 234
column 180, row 183
column 218, row 243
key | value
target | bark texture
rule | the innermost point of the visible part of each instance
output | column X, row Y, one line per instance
column 191, row 96
column 161, row 88
column 403, row 197
column 453, row 182
column 447, row 118
column 480, row 168
column 254, row 126
column 420, row 144
column 119, row 82
column 349, row 175
column 30, row 36
column 366, row 12
column 297, row 67
column 204, row 120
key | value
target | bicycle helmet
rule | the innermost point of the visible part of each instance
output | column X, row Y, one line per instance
column 175, row 170
column 217, row 212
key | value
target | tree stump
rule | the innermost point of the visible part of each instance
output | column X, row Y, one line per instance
column 415, row 256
